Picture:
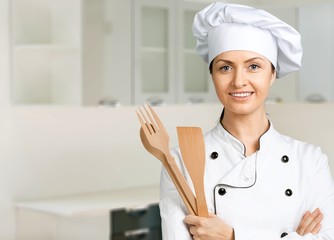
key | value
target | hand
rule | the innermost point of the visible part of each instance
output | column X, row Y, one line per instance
column 310, row 223
column 210, row 228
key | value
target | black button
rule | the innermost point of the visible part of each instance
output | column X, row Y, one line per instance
column 285, row 159
column 214, row 155
column 283, row 235
column 288, row 192
column 222, row 191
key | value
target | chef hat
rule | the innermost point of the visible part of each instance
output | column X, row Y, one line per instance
column 222, row 27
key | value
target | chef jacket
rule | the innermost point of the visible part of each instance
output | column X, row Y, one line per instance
column 262, row 196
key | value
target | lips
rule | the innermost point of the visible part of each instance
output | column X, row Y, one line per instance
column 241, row 94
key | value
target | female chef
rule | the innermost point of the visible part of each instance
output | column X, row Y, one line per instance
column 259, row 184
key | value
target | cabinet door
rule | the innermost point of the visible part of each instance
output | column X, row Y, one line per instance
column 46, row 52
column 316, row 28
column 93, row 50
column 194, row 80
column 154, row 71
column 117, row 52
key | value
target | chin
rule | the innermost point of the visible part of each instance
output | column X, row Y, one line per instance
column 243, row 109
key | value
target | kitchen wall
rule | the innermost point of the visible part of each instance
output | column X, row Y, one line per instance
column 57, row 151
column 4, row 50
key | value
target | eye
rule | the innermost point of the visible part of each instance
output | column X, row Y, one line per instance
column 254, row 67
column 225, row 68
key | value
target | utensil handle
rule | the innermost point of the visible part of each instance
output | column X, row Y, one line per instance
column 202, row 208
column 181, row 185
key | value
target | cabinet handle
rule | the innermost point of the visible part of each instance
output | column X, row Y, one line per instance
column 155, row 101
column 315, row 98
column 109, row 102
column 194, row 100
column 138, row 211
column 136, row 234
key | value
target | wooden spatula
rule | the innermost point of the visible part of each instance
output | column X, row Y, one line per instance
column 193, row 155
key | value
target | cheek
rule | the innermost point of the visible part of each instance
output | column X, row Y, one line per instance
column 220, row 89
column 219, row 85
column 219, row 82
column 264, row 82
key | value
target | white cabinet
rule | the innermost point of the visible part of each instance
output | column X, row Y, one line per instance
column 84, row 216
column 131, row 51
column 74, row 52
column 117, row 52
column 317, row 30
column 194, row 80
column 122, row 52
column 46, row 51
column 41, row 225
column 154, row 49
column 166, row 67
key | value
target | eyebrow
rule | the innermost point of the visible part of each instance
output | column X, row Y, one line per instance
column 248, row 60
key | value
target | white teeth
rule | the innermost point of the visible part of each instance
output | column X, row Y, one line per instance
column 244, row 94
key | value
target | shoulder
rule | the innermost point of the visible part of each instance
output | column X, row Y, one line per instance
column 307, row 154
column 300, row 146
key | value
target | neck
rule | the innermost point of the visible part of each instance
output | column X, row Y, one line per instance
column 246, row 128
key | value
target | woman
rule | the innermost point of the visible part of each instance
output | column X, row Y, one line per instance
column 260, row 185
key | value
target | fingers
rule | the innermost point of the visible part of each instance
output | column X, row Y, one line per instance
column 198, row 221
column 206, row 228
column 310, row 223
column 316, row 229
column 192, row 220
column 315, row 224
column 194, row 223
column 306, row 220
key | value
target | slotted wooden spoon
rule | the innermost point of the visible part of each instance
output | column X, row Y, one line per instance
column 175, row 174
column 156, row 135
column 193, row 155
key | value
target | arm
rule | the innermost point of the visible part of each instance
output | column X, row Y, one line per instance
column 321, row 194
column 214, row 228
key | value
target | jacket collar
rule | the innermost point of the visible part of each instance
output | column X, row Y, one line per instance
column 237, row 145
column 242, row 170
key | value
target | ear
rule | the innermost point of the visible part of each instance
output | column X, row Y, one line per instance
column 273, row 77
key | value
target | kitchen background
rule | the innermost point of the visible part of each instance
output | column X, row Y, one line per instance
column 72, row 73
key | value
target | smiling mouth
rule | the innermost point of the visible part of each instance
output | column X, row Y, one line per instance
column 241, row 94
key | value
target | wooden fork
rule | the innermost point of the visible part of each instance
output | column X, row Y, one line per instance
column 157, row 136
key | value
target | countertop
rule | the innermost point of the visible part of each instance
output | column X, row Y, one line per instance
column 94, row 204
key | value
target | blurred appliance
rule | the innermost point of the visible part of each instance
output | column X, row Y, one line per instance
column 142, row 223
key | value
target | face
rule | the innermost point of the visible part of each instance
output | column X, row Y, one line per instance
column 242, row 80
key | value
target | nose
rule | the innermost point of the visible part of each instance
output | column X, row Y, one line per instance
column 239, row 78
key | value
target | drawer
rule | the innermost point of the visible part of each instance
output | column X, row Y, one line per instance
column 140, row 234
column 138, row 218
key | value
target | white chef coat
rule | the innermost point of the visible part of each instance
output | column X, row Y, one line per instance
column 262, row 196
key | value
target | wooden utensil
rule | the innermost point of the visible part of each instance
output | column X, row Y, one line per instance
column 178, row 179
column 155, row 139
column 193, row 154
